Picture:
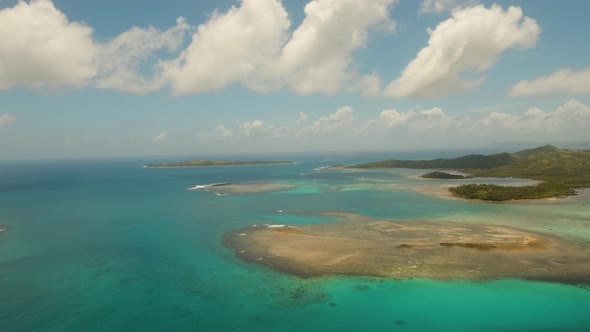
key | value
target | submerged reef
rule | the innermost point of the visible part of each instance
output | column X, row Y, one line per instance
column 363, row 246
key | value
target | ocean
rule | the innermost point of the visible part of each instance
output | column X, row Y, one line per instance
column 106, row 245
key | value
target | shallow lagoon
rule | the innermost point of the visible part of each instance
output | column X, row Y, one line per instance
column 108, row 245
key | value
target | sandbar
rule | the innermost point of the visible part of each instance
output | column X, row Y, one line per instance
column 237, row 188
column 440, row 187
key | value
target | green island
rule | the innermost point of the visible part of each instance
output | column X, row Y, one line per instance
column 562, row 172
column 443, row 175
column 205, row 163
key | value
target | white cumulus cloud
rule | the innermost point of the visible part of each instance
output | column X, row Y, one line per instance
column 254, row 128
column 251, row 44
column 368, row 85
column 302, row 118
column 567, row 122
column 563, row 81
column 336, row 122
column 222, row 132
column 417, row 128
column 414, row 125
column 6, row 119
column 39, row 47
column 121, row 58
column 319, row 55
column 392, row 118
column 230, row 47
column 160, row 137
column 468, row 42
column 444, row 6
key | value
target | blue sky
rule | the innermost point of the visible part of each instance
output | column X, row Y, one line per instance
column 118, row 78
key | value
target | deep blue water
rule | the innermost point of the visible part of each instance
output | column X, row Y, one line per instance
column 106, row 245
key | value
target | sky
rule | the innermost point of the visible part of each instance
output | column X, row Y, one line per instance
column 100, row 78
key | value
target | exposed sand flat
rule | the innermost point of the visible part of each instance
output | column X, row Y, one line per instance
column 440, row 187
column 440, row 190
column 247, row 188
column 359, row 245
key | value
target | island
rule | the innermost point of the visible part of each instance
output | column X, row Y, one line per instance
column 209, row 163
column 364, row 246
column 444, row 175
column 561, row 172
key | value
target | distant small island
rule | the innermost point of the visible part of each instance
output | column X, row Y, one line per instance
column 209, row 163
column 444, row 175
column 562, row 172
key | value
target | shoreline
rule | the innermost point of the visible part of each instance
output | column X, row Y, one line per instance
column 447, row 194
column 440, row 187
column 561, row 172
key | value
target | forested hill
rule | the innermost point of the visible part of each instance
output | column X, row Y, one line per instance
column 545, row 163
column 477, row 161
column 562, row 170
column 470, row 161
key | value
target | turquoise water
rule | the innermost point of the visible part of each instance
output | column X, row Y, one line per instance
column 110, row 246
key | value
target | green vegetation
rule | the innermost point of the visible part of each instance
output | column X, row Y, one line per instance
column 443, row 175
column 470, row 161
column 202, row 163
column 492, row 192
column 561, row 170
